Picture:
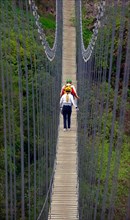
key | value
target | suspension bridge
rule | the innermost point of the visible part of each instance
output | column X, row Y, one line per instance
column 48, row 173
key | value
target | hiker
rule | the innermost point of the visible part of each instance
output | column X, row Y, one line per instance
column 66, row 102
column 73, row 90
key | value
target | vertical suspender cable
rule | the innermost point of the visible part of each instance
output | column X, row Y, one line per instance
column 121, row 126
column 118, row 64
column 104, row 126
column 20, row 111
column 4, row 123
column 7, row 85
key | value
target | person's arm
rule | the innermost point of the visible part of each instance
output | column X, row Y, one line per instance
column 72, row 100
column 74, row 88
column 74, row 92
column 62, row 90
column 61, row 102
column 76, row 96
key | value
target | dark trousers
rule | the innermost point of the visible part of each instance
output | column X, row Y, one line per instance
column 67, row 116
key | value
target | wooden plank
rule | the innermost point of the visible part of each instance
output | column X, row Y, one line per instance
column 64, row 201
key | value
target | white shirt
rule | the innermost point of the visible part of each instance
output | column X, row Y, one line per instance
column 70, row 100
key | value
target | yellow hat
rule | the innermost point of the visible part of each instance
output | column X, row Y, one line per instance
column 68, row 89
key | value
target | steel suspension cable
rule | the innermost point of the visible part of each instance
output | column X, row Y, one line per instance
column 121, row 125
column 100, row 77
column 95, row 85
column 114, row 111
column 29, row 138
column 4, row 121
column 50, row 52
column 104, row 127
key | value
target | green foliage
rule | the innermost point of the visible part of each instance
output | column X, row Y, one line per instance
column 87, row 34
column 86, row 23
column 48, row 22
column 107, row 160
column 22, row 54
column 49, row 25
column 106, row 156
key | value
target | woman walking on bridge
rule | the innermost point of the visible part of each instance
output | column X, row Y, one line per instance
column 66, row 102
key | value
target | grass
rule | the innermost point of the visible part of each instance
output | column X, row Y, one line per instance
column 48, row 22
column 49, row 25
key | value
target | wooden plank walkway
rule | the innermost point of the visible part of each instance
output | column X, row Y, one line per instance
column 64, row 204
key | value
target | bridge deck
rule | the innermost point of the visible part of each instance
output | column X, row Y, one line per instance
column 64, row 205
